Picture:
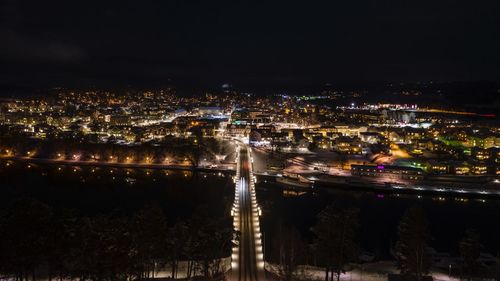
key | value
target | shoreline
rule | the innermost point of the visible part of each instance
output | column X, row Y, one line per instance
column 118, row 165
column 351, row 183
column 331, row 182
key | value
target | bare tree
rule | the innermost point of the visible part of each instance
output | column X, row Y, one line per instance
column 335, row 242
column 288, row 253
column 470, row 250
column 411, row 249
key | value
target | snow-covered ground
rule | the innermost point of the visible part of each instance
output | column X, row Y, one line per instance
column 376, row 271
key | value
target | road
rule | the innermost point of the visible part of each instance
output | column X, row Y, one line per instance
column 219, row 168
column 247, row 259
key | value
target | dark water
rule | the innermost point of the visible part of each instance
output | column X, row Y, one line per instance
column 380, row 215
column 94, row 190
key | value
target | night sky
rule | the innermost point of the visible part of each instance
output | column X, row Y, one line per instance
column 208, row 43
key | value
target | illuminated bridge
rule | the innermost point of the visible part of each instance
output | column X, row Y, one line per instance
column 247, row 260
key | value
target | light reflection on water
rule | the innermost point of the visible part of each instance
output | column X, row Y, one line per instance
column 88, row 171
column 94, row 189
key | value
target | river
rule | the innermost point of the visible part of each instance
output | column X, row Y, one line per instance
column 93, row 190
column 380, row 214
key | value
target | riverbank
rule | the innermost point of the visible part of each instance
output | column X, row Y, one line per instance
column 226, row 168
column 311, row 181
column 374, row 271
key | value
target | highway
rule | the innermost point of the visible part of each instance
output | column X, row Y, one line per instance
column 247, row 258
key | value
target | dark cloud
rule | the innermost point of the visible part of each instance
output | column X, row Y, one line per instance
column 268, row 43
column 22, row 48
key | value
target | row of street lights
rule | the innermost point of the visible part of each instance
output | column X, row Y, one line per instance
column 256, row 212
column 111, row 158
